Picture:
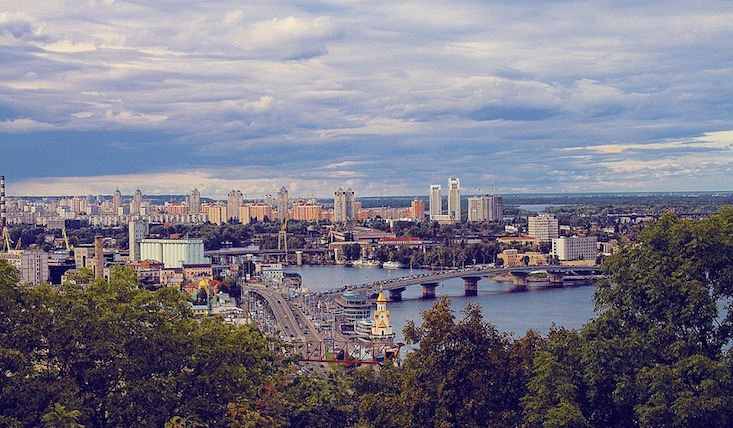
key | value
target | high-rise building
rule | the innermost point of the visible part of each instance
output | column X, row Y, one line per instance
column 497, row 208
column 116, row 202
column 216, row 212
column 489, row 208
column 34, row 267
column 418, row 208
column 306, row 210
column 282, row 203
column 244, row 214
column 436, row 201
column 477, row 208
column 194, row 202
column 235, row 199
column 260, row 211
column 454, row 199
column 138, row 229
column 137, row 202
column 544, row 227
column 270, row 201
column 344, row 206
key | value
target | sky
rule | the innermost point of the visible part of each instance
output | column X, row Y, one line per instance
column 385, row 97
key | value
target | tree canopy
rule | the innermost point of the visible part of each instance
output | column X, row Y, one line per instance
column 657, row 354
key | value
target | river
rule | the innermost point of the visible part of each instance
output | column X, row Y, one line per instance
column 537, row 308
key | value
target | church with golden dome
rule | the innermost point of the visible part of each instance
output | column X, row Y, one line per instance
column 381, row 327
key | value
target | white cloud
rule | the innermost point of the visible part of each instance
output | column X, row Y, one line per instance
column 23, row 125
column 132, row 118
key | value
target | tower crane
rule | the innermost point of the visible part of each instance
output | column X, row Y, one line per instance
column 69, row 247
column 7, row 242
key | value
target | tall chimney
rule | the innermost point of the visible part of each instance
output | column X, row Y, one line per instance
column 98, row 257
column 2, row 202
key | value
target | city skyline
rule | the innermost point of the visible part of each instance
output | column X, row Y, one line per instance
column 384, row 98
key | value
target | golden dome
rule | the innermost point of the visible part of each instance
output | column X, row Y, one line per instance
column 381, row 298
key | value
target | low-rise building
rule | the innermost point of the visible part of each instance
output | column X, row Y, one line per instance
column 354, row 307
column 513, row 258
column 197, row 270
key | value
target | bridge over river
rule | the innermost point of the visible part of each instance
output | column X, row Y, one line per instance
column 557, row 276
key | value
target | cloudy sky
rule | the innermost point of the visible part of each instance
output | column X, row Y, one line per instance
column 386, row 97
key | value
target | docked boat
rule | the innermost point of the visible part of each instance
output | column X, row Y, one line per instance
column 365, row 263
column 391, row 265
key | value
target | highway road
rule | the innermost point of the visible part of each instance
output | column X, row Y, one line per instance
column 290, row 319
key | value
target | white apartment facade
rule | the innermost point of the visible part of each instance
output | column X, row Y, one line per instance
column 544, row 227
column 575, row 248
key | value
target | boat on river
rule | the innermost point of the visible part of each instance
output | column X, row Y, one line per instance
column 391, row 265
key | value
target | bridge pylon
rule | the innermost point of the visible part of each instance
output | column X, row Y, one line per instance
column 470, row 285
column 428, row 290
column 520, row 280
column 555, row 278
column 395, row 294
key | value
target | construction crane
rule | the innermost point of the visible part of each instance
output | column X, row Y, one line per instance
column 7, row 242
column 17, row 244
column 69, row 247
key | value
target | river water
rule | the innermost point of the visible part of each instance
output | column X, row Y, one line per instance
column 537, row 308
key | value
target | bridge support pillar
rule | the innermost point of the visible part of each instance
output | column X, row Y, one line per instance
column 520, row 280
column 299, row 258
column 428, row 290
column 395, row 294
column 556, row 278
column 470, row 285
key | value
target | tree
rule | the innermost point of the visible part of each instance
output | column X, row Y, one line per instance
column 656, row 354
column 59, row 417
column 120, row 355
column 464, row 373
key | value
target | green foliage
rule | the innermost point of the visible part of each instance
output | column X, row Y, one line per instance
column 59, row 417
column 658, row 352
column 120, row 355
column 463, row 374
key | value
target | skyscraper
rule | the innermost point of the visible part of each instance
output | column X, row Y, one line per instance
column 454, row 199
column 282, row 203
column 235, row 199
column 194, row 201
column 117, row 202
column 137, row 202
column 343, row 206
column 436, row 201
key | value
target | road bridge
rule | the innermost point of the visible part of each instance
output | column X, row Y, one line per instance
column 471, row 276
column 292, row 322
